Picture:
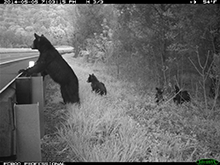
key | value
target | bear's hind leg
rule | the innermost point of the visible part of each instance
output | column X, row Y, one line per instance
column 64, row 93
column 73, row 94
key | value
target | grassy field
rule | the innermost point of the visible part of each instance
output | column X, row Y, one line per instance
column 124, row 125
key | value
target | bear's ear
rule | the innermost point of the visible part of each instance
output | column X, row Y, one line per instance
column 42, row 35
column 36, row 36
column 92, row 74
column 177, row 88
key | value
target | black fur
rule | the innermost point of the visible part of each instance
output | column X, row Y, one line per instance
column 51, row 62
column 181, row 96
column 159, row 95
column 214, row 87
column 96, row 85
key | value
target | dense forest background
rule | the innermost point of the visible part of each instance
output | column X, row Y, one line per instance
column 151, row 44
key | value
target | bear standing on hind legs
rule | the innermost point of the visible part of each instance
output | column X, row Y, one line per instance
column 52, row 62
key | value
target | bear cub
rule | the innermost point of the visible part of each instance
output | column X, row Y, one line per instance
column 96, row 85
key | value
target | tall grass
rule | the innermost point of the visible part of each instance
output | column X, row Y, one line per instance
column 104, row 129
column 125, row 126
column 100, row 130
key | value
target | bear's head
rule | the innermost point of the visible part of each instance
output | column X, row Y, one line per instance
column 39, row 41
column 177, row 89
column 91, row 78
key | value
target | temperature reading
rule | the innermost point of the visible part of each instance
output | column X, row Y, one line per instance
column 209, row 1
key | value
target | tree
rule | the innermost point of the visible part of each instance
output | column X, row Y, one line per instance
column 21, row 21
column 86, row 21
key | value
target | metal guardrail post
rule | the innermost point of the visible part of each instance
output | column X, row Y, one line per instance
column 7, row 130
column 29, row 115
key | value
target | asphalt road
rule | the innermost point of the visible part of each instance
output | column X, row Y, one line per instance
column 5, row 57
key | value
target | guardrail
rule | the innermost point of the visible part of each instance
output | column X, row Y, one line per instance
column 16, row 60
column 61, row 51
column 21, row 105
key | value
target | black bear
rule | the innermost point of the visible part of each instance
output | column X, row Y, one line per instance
column 214, row 88
column 97, row 86
column 51, row 62
column 159, row 95
column 181, row 96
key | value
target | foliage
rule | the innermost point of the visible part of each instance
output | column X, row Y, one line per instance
column 125, row 126
column 149, row 44
column 19, row 22
column 87, row 21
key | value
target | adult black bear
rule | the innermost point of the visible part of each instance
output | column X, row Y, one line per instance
column 51, row 62
column 181, row 96
column 97, row 86
column 159, row 95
